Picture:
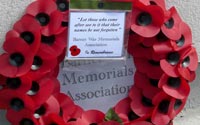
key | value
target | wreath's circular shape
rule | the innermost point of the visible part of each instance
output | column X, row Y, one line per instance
column 161, row 45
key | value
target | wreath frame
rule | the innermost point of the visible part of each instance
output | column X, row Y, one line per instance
column 160, row 43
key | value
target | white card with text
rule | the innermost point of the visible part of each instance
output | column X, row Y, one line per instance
column 96, row 35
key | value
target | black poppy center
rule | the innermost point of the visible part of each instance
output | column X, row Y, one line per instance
column 181, row 41
column 144, row 19
column 186, row 62
column 43, row 19
column 26, row 122
column 143, row 46
column 63, row 5
column 64, row 24
column 174, row 82
column 152, row 3
column 131, row 32
column 177, row 104
column 154, row 82
column 170, row 23
column 146, row 102
column 41, row 111
column 61, row 112
column 154, row 63
column 28, row 37
column 37, row 63
column 132, row 116
column 93, row 124
column 164, row 106
column 161, row 37
column 48, row 39
column 71, row 119
column 13, row 83
column 16, row 59
column 53, row 124
column 16, row 104
column 173, row 58
column 34, row 88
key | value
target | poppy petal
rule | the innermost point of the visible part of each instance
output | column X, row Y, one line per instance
column 168, row 68
column 42, row 95
column 93, row 116
column 122, row 108
column 172, row 26
column 137, row 105
column 15, row 100
column 21, row 117
column 174, row 86
column 47, row 6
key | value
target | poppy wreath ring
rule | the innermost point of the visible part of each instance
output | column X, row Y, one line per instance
column 159, row 41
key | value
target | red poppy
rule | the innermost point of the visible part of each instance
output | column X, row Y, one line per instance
column 56, row 85
column 185, row 40
column 50, row 106
column 92, row 116
column 61, row 57
column 41, row 66
column 29, row 33
column 89, row 117
column 141, row 44
column 146, row 66
column 52, row 119
column 15, row 100
column 162, row 47
column 141, row 123
column 18, row 59
column 177, row 106
column 74, row 50
column 78, row 111
column 126, row 114
column 137, row 48
column 164, row 109
column 67, row 106
column 141, row 81
column 123, row 110
column 171, row 26
column 160, row 3
column 141, row 104
column 149, row 87
column 54, row 72
column 110, row 123
column 176, row 87
column 38, row 91
column 52, row 46
column 46, row 13
column 146, row 21
column 145, row 2
column 20, row 84
column 21, row 117
column 182, row 63
column 120, row 0
column 63, row 6
column 133, row 40
column 149, row 42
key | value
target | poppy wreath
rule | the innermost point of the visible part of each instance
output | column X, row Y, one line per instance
column 159, row 41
